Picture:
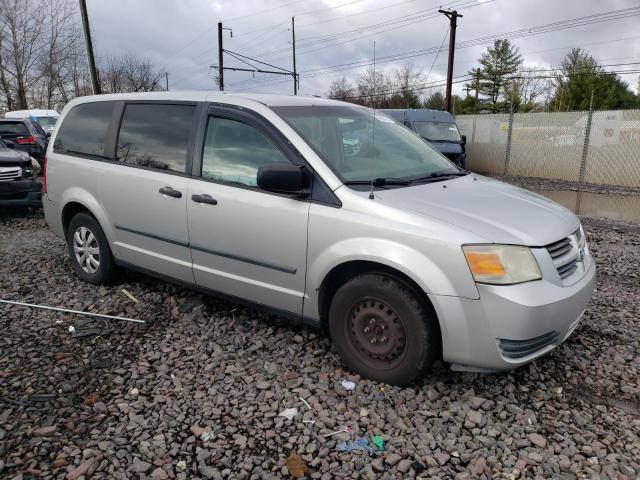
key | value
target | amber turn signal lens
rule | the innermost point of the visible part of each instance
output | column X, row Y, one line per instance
column 485, row 264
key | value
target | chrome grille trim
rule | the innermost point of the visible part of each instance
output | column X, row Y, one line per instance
column 10, row 173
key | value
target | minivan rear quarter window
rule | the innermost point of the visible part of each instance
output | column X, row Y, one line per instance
column 155, row 135
column 84, row 129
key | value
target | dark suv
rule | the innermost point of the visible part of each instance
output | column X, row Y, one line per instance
column 18, row 187
column 27, row 135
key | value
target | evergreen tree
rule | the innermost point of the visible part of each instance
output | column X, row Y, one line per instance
column 435, row 101
column 499, row 62
column 580, row 75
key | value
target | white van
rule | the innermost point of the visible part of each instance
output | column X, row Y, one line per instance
column 45, row 118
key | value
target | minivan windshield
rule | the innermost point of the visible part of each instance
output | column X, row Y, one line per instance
column 362, row 147
column 438, row 131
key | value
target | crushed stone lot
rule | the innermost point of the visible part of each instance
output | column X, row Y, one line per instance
column 197, row 391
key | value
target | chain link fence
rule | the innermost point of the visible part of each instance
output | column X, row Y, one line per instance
column 601, row 147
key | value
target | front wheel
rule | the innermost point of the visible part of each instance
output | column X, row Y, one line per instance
column 382, row 330
column 89, row 250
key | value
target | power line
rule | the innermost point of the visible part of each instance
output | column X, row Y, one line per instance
column 266, row 11
column 525, row 32
column 241, row 17
column 400, row 22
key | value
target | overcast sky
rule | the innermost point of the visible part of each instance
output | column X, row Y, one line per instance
column 181, row 36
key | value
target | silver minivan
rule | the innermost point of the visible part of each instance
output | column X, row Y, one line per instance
column 320, row 211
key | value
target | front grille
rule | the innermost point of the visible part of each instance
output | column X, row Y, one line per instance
column 10, row 173
column 523, row 348
column 566, row 253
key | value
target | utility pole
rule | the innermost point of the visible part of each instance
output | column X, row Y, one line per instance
column 95, row 85
column 166, row 79
column 220, row 65
column 220, row 55
column 453, row 17
column 295, row 75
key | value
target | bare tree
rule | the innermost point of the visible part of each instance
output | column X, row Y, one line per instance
column 374, row 88
column 21, row 28
column 528, row 91
column 406, row 78
column 342, row 89
column 43, row 60
column 63, row 46
column 129, row 74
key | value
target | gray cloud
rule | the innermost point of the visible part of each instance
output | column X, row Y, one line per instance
column 181, row 36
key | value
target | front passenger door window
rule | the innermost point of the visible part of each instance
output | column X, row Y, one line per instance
column 234, row 150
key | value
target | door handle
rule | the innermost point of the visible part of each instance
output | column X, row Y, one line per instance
column 171, row 192
column 204, row 198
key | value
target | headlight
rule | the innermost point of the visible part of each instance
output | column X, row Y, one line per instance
column 501, row 264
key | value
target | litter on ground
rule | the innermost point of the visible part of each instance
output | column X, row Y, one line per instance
column 297, row 466
column 378, row 442
column 342, row 430
column 359, row 444
column 288, row 413
column 348, row 385
column 129, row 295
column 306, row 404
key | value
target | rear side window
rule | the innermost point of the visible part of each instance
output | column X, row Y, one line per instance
column 13, row 128
column 84, row 129
column 155, row 135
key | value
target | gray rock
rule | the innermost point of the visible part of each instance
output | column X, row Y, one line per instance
column 392, row 458
column 139, row 466
column 377, row 465
column 537, row 439
column 209, row 472
column 474, row 416
column 441, row 457
column 404, row 465
column 45, row 431
column 159, row 474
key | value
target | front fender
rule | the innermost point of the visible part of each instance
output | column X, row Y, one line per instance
column 431, row 277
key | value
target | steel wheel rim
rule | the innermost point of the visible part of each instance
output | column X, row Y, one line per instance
column 377, row 333
column 87, row 252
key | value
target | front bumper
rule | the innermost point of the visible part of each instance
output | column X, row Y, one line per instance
column 511, row 325
column 21, row 193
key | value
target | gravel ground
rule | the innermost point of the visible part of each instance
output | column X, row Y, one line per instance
column 197, row 391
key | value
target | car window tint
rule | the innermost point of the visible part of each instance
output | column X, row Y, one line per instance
column 13, row 128
column 84, row 129
column 155, row 135
column 234, row 151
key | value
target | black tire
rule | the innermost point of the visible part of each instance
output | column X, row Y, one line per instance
column 107, row 271
column 404, row 329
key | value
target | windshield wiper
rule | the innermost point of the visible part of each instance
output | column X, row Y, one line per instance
column 379, row 182
column 438, row 176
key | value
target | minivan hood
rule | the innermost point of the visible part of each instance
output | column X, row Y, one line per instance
column 494, row 210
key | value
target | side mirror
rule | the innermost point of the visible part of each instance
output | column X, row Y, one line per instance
column 464, row 139
column 9, row 143
column 281, row 178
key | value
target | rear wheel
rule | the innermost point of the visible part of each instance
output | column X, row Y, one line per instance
column 89, row 250
column 382, row 330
